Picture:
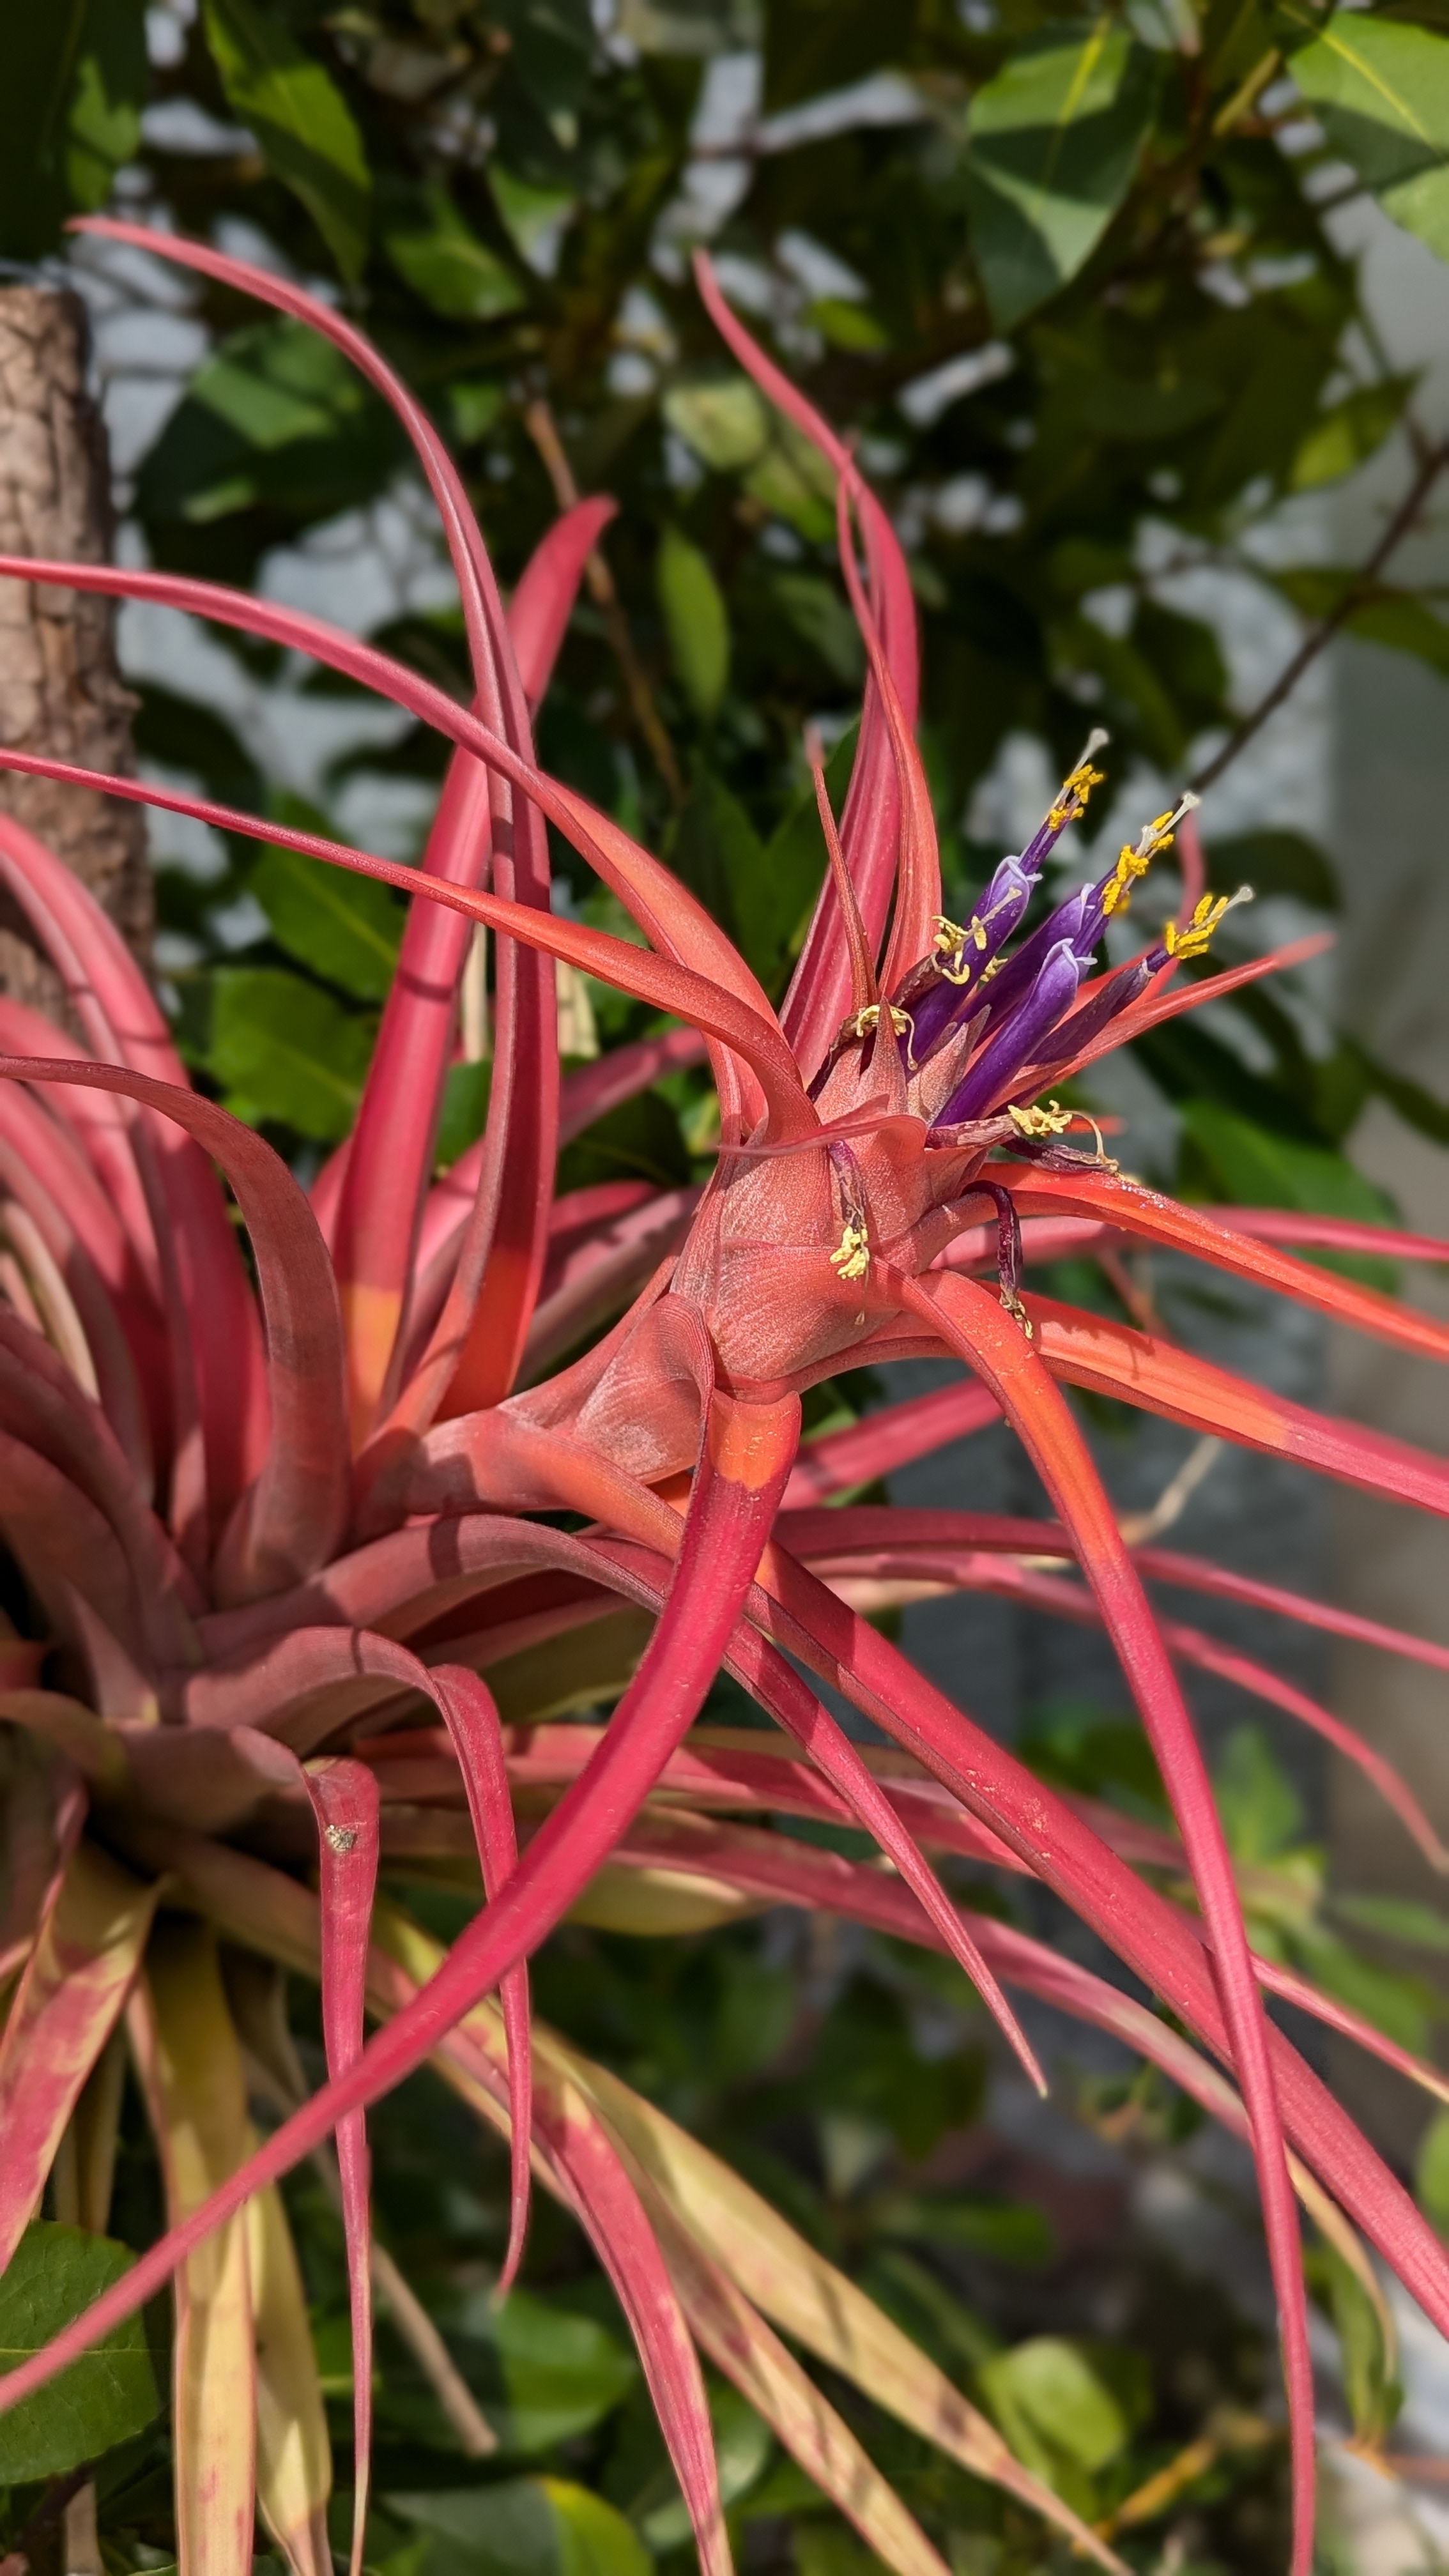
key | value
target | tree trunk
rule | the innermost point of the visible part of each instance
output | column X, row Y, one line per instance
column 60, row 690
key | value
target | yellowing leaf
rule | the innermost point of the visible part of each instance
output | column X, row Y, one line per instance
column 74, row 1985
column 294, row 2456
column 814, row 2303
column 191, row 2074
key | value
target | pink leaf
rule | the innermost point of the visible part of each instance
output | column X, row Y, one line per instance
column 344, row 1801
column 712, row 1007
column 870, row 826
column 291, row 1519
column 472, row 1719
column 974, row 1326
column 1211, row 1236
column 215, row 1347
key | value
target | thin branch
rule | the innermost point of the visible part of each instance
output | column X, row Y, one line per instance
column 542, row 428
column 1357, row 593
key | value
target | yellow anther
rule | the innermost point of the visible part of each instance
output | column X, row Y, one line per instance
column 1071, row 797
column 951, row 943
column 868, row 1020
column 1117, row 892
column 1192, row 939
column 1134, row 862
column 1018, row 1313
column 851, row 1256
column 1053, row 1120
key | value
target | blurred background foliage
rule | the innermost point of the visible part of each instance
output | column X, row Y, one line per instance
column 1071, row 281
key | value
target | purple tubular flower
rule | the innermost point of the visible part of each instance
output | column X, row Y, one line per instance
column 1068, row 925
column 1053, row 991
column 1116, row 995
column 940, row 999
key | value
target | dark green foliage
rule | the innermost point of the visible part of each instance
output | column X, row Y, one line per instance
column 102, row 2399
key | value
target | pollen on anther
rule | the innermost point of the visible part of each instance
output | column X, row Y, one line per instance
column 851, row 1256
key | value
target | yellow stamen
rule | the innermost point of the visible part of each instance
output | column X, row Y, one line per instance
column 851, row 1256
column 1054, row 1120
column 868, row 1020
column 1071, row 797
column 1134, row 862
column 1192, row 940
column 951, row 942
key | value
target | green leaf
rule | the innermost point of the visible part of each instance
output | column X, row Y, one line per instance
column 1259, row 1167
column 302, row 123
column 475, row 407
column 1373, row 2392
column 742, row 2447
column 1397, row 618
column 1431, row 2172
column 847, row 326
column 1381, row 91
column 791, row 870
column 1261, row 1810
column 1342, row 439
column 443, row 261
column 534, row 2526
column 817, row 612
column 1416, row 1106
column 1396, row 1918
column 105, row 2397
column 816, row 45
column 561, row 2373
column 1405, row 2007
column 1009, row 2231
column 1051, row 2404
column 551, row 48
column 284, row 1049
column 696, row 621
column 346, row 928
column 465, row 1110
column 45, row 49
column 794, row 480
column 105, row 114
column 275, row 415
column 1274, row 862
column 1055, row 139
column 724, row 420
column 534, row 218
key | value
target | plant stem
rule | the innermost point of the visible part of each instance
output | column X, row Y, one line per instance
column 1354, row 597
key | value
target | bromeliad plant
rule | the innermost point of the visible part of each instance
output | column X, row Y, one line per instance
column 282, row 1522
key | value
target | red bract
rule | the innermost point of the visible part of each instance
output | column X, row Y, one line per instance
column 265, row 1521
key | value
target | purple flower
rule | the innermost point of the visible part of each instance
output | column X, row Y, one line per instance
column 1018, row 1041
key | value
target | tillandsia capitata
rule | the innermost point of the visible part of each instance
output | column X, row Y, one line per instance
column 282, row 1521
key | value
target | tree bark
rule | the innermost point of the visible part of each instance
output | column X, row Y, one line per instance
column 60, row 690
